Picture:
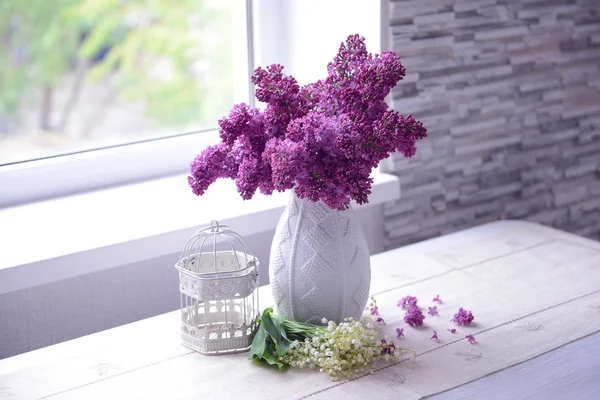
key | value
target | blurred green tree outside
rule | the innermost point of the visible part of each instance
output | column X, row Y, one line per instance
column 170, row 55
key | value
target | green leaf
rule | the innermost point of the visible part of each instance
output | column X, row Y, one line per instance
column 271, row 359
column 270, row 341
column 274, row 328
column 278, row 322
column 259, row 343
column 261, row 349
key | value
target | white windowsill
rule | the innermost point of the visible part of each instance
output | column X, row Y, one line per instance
column 59, row 239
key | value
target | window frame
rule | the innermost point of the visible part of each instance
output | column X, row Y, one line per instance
column 64, row 175
column 109, row 166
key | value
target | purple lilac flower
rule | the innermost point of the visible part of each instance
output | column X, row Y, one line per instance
column 322, row 140
column 219, row 161
column 388, row 348
column 433, row 310
column 241, row 118
column 435, row 336
column 437, row 299
column 375, row 310
column 399, row 333
column 414, row 316
column 453, row 330
column 463, row 317
column 407, row 301
column 380, row 320
column 471, row 338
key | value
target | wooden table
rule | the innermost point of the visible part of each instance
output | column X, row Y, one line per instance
column 532, row 289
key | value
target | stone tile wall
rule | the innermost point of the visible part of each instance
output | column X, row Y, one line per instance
column 510, row 93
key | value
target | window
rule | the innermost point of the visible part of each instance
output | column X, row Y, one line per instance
column 78, row 75
column 134, row 87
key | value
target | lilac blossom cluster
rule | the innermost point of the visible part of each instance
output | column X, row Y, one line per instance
column 322, row 140
column 414, row 316
column 463, row 317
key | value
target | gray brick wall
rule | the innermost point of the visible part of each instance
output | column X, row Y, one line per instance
column 509, row 91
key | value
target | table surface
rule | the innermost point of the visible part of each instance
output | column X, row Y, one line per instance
column 535, row 292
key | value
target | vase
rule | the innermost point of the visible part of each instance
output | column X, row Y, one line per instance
column 319, row 264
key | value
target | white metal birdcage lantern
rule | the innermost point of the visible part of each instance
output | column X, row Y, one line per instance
column 219, row 296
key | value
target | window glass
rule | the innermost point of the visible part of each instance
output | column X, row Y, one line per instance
column 84, row 74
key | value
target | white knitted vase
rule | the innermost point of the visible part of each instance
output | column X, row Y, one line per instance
column 319, row 265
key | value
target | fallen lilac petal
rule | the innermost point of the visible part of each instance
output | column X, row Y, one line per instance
column 388, row 348
column 471, row 338
column 437, row 299
column 435, row 336
column 408, row 301
column 399, row 333
column 433, row 310
column 453, row 330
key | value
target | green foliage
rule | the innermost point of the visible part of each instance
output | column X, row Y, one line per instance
column 147, row 50
column 37, row 47
column 270, row 341
column 274, row 336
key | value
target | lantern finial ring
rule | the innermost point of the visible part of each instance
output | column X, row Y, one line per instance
column 214, row 225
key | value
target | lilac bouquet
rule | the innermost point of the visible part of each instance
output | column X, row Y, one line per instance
column 322, row 140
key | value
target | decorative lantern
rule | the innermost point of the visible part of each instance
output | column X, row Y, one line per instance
column 219, row 296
